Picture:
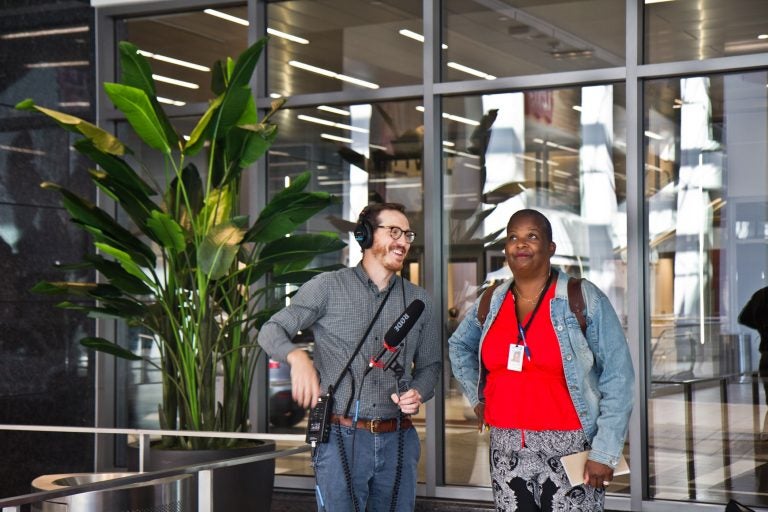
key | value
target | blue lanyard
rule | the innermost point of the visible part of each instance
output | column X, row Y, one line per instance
column 521, row 330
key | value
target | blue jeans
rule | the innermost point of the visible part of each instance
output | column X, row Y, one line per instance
column 372, row 471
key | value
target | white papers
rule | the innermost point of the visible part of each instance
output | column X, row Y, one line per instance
column 574, row 467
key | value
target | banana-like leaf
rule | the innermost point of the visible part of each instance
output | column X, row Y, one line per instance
column 274, row 223
column 218, row 207
column 256, row 140
column 125, row 260
column 108, row 347
column 138, row 110
column 233, row 107
column 116, row 167
column 134, row 68
column 302, row 276
column 135, row 72
column 105, row 141
column 118, row 276
column 167, row 231
column 202, row 130
column 219, row 248
column 292, row 265
column 103, row 237
column 238, row 93
column 245, row 64
column 298, row 247
column 63, row 287
column 88, row 214
column 187, row 192
column 219, row 77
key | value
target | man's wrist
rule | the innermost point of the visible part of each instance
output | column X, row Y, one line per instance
column 297, row 355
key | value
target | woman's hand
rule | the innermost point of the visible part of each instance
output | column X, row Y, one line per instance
column 480, row 413
column 597, row 475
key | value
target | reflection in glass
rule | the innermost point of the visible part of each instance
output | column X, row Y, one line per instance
column 183, row 47
column 345, row 45
column 677, row 31
column 560, row 151
column 486, row 40
column 706, row 200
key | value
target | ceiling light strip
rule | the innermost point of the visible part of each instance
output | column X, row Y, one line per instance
column 325, row 122
column 289, row 37
column 470, row 71
column 44, row 33
column 336, row 138
column 416, row 36
column 334, row 110
column 173, row 81
column 332, row 74
column 62, row 64
column 171, row 60
column 225, row 16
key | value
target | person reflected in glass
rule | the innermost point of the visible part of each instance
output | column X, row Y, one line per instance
column 755, row 316
column 544, row 388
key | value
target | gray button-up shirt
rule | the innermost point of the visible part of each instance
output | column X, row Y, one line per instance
column 338, row 306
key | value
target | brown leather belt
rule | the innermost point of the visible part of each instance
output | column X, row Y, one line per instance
column 374, row 426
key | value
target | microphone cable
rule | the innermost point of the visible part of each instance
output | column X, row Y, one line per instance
column 345, row 466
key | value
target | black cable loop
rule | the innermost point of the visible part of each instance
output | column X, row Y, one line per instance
column 345, row 467
column 399, row 470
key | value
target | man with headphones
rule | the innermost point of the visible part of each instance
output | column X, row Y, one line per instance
column 370, row 459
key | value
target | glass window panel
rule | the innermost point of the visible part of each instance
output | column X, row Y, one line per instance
column 678, row 30
column 706, row 191
column 359, row 153
column 182, row 48
column 560, row 151
column 523, row 37
column 343, row 45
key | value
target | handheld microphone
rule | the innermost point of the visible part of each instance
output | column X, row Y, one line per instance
column 399, row 330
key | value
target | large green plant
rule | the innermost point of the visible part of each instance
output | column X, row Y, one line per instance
column 193, row 271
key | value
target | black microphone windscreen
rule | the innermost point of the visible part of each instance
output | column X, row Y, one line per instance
column 404, row 323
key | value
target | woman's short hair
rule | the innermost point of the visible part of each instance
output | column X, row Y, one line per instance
column 540, row 218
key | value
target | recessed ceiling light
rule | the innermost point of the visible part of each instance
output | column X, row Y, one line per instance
column 61, row 64
column 336, row 138
column 416, row 36
column 289, row 37
column 168, row 101
column 173, row 81
column 317, row 120
column 44, row 33
column 334, row 110
column 332, row 74
column 470, row 71
column 171, row 60
column 228, row 17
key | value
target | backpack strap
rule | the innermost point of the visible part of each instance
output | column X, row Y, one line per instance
column 485, row 303
column 576, row 302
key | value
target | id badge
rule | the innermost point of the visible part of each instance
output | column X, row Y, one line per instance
column 515, row 358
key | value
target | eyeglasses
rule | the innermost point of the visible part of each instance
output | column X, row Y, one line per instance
column 396, row 232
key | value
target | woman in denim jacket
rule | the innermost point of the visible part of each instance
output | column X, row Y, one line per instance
column 544, row 388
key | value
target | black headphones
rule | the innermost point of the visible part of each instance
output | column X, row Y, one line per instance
column 364, row 230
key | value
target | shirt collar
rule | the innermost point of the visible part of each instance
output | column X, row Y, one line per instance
column 364, row 278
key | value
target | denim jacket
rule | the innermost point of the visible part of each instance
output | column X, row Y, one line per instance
column 598, row 368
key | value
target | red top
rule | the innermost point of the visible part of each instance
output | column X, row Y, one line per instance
column 537, row 397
